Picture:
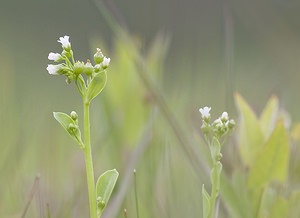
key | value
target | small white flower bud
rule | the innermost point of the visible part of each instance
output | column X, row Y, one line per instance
column 98, row 56
column 224, row 117
column 74, row 115
column 78, row 67
column 205, row 113
column 55, row 69
column 230, row 124
column 105, row 62
column 55, row 57
column 97, row 68
column 88, row 68
column 66, row 45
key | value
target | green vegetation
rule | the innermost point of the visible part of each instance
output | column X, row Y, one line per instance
column 149, row 129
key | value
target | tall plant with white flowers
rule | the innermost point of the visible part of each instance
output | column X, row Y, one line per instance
column 214, row 134
column 90, row 81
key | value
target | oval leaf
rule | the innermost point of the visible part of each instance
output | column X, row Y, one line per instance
column 96, row 86
column 65, row 120
column 269, row 116
column 215, row 149
column 272, row 162
column 251, row 137
column 104, row 187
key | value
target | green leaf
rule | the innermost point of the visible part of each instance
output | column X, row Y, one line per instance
column 96, row 86
column 272, row 162
column 280, row 208
column 273, row 205
column 205, row 202
column 269, row 116
column 80, row 85
column 215, row 149
column 65, row 121
column 104, row 187
column 250, row 135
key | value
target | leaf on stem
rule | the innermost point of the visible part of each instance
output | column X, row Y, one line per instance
column 104, row 187
column 80, row 85
column 70, row 126
column 96, row 86
column 205, row 202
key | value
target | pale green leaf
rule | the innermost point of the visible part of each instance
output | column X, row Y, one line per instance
column 96, row 86
column 215, row 149
column 250, row 135
column 269, row 116
column 280, row 208
column 65, row 120
column 272, row 162
column 104, row 187
column 206, row 202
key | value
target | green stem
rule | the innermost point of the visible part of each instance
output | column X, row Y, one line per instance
column 214, row 192
column 89, row 162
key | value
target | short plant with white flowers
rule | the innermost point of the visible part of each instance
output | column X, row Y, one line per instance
column 214, row 133
column 90, row 81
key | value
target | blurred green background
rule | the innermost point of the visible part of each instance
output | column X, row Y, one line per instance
column 196, row 53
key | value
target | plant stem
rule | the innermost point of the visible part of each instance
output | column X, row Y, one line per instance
column 89, row 161
column 214, row 193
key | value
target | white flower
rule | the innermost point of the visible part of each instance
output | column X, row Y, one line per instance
column 205, row 112
column 224, row 117
column 65, row 42
column 54, row 69
column 54, row 57
column 105, row 62
column 218, row 123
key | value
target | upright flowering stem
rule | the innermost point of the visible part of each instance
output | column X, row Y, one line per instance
column 213, row 133
column 99, row 193
column 89, row 161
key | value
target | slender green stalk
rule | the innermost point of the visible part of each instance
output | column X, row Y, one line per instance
column 89, row 161
column 214, row 194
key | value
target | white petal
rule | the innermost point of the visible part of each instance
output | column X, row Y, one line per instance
column 64, row 41
column 105, row 62
column 54, row 56
column 224, row 116
column 53, row 69
column 205, row 112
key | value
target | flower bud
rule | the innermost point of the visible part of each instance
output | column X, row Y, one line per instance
column 88, row 68
column 97, row 68
column 66, row 45
column 55, row 57
column 98, row 56
column 55, row 69
column 105, row 62
column 78, row 68
column 224, row 117
column 219, row 156
column 205, row 114
column 74, row 115
column 230, row 124
column 71, row 128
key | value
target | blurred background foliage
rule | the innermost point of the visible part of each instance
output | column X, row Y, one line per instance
column 169, row 59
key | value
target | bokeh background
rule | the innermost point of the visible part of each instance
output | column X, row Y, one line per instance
column 195, row 52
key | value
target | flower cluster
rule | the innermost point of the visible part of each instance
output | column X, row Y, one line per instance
column 220, row 127
column 72, row 69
